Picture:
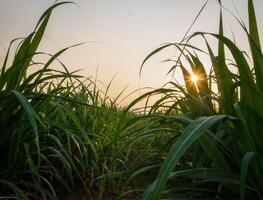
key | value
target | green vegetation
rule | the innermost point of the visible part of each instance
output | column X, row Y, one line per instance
column 61, row 137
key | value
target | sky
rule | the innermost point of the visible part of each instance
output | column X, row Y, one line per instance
column 118, row 34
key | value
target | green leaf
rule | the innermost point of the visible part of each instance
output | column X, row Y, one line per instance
column 224, row 81
column 28, row 110
column 209, row 146
column 17, row 190
column 30, row 115
column 192, row 133
column 244, row 169
column 254, row 41
column 153, row 53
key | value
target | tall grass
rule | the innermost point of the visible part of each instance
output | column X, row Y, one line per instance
column 62, row 137
column 223, row 111
column 56, row 128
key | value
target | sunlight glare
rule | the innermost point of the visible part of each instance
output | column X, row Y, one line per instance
column 194, row 78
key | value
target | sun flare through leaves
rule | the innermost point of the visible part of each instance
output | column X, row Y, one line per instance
column 194, row 78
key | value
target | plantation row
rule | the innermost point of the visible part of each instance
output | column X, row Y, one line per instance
column 61, row 137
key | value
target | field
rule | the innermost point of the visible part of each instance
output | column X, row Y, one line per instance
column 61, row 137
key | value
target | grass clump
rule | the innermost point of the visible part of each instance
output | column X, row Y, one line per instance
column 57, row 128
column 225, row 113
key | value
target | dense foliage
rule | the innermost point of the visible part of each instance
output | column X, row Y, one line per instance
column 63, row 138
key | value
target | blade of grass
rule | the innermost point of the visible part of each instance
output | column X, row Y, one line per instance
column 244, row 169
column 192, row 133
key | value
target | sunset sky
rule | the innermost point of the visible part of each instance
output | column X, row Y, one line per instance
column 118, row 33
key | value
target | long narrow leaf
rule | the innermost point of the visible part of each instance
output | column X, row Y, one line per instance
column 192, row 133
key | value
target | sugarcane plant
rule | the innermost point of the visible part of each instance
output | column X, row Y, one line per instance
column 222, row 111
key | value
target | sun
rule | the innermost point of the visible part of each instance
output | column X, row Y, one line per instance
column 194, row 78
